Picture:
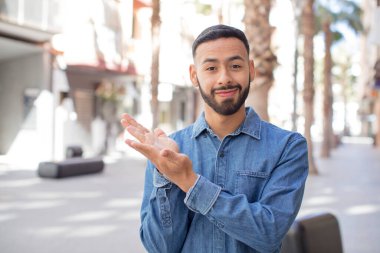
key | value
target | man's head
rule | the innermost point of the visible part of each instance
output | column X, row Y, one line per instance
column 219, row 31
column 222, row 70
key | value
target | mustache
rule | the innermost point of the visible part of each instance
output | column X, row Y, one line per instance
column 227, row 87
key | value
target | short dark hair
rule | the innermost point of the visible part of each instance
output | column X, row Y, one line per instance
column 219, row 31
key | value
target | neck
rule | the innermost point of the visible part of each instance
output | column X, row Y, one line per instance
column 223, row 125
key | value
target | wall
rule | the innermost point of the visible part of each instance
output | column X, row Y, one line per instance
column 17, row 75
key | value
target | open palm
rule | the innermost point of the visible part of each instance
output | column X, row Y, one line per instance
column 162, row 151
column 156, row 138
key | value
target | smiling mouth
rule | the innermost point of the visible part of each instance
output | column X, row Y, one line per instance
column 227, row 92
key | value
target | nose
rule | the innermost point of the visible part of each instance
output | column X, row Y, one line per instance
column 224, row 77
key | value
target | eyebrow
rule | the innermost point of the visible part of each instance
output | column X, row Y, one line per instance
column 232, row 58
column 235, row 57
column 207, row 60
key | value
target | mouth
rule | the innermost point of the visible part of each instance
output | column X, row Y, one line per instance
column 227, row 92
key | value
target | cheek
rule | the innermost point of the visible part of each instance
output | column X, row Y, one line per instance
column 243, row 79
column 206, row 82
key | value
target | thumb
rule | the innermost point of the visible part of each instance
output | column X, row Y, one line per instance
column 169, row 154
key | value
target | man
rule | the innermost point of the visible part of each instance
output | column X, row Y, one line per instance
column 230, row 182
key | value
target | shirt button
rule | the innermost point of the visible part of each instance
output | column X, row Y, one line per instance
column 221, row 154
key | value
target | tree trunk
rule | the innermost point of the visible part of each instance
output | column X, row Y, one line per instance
column 327, row 94
column 295, row 89
column 377, row 105
column 259, row 34
column 156, row 22
column 308, row 30
column 345, row 83
column 346, row 127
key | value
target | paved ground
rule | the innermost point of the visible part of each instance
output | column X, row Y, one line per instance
column 96, row 213
column 100, row 213
column 349, row 187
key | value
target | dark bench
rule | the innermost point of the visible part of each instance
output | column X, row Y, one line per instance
column 70, row 167
column 317, row 233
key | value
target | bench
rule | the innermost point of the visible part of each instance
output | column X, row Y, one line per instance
column 318, row 233
column 70, row 167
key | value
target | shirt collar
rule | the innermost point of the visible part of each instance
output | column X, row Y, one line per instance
column 251, row 125
column 200, row 125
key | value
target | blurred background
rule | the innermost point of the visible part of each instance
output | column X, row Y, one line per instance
column 69, row 69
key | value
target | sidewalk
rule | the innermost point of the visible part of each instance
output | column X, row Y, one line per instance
column 100, row 213
column 95, row 213
column 349, row 187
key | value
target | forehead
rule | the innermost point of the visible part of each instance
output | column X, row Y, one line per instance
column 220, row 49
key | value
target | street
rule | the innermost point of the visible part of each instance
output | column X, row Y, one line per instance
column 100, row 212
column 90, row 213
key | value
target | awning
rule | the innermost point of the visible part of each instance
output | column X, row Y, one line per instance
column 24, row 33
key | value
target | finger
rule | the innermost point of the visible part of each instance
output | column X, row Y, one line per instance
column 124, row 123
column 137, row 133
column 128, row 120
column 124, row 119
column 159, row 132
column 147, row 150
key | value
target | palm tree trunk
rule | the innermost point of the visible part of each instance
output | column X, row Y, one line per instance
column 377, row 105
column 259, row 33
column 346, row 128
column 156, row 22
column 345, row 83
column 308, row 30
column 327, row 94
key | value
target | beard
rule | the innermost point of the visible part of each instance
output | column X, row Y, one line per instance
column 228, row 106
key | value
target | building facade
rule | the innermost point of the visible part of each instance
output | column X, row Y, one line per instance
column 54, row 58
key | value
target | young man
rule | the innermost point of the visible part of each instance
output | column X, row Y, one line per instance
column 230, row 182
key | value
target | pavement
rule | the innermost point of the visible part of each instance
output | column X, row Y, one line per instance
column 99, row 213
column 348, row 186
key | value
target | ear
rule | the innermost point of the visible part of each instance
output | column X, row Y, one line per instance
column 193, row 75
column 252, row 69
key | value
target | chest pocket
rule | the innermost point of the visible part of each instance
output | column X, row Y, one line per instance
column 250, row 183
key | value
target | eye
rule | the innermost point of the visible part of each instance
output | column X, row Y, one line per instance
column 236, row 66
column 211, row 68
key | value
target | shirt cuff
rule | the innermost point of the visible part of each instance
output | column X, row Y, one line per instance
column 191, row 188
column 159, row 180
column 202, row 196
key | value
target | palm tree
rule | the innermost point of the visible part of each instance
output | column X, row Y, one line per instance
column 259, row 33
column 349, row 12
column 346, row 79
column 308, row 31
column 156, row 23
column 296, row 4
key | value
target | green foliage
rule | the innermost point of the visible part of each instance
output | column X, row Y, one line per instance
column 343, row 73
column 336, row 12
column 109, row 91
column 337, row 36
column 204, row 9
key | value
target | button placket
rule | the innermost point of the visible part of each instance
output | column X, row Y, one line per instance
column 221, row 164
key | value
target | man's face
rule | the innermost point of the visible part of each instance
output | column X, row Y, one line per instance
column 222, row 72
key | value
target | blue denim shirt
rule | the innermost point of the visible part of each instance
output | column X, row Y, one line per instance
column 248, row 193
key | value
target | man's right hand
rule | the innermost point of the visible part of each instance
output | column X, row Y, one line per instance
column 157, row 138
column 162, row 151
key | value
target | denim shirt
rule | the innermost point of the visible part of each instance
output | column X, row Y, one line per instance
column 247, row 195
